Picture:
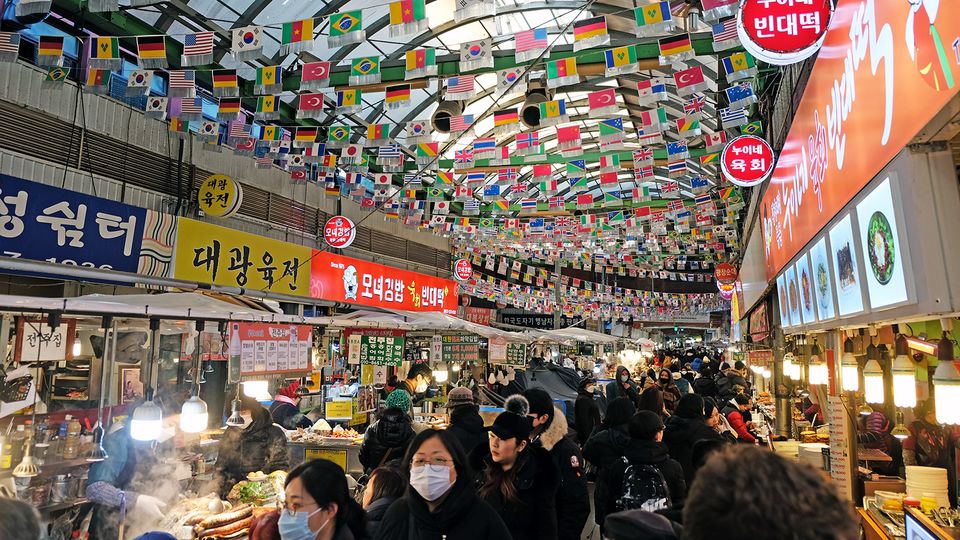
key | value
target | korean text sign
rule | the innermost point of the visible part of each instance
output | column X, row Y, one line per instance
column 377, row 347
column 266, row 349
column 885, row 69
column 207, row 253
column 344, row 279
column 46, row 223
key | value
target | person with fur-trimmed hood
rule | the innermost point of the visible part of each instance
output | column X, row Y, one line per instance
column 551, row 432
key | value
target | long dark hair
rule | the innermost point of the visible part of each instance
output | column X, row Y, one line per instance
column 389, row 483
column 496, row 479
column 326, row 482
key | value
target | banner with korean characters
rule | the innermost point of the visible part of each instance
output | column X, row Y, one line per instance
column 517, row 354
column 263, row 349
column 459, row 349
column 208, row 253
column 500, row 351
column 344, row 279
column 46, row 223
column 375, row 347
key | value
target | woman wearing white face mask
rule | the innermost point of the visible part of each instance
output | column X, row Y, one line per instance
column 318, row 505
column 256, row 446
column 441, row 501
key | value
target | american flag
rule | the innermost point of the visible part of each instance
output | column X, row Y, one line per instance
column 238, row 129
column 182, row 79
column 461, row 83
column 725, row 30
column 528, row 40
column 528, row 140
column 694, row 105
column 191, row 105
column 10, row 42
column 461, row 123
column 198, row 44
column 463, row 156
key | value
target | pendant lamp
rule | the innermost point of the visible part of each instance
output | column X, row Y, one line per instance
column 946, row 384
column 904, row 376
column 788, row 361
column 849, row 370
column 146, row 423
column 194, row 416
column 817, row 371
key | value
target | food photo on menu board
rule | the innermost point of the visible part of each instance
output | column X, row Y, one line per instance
column 879, row 238
column 805, row 282
column 845, row 268
column 782, row 295
column 822, row 282
column 793, row 295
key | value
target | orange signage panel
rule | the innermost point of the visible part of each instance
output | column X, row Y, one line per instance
column 885, row 69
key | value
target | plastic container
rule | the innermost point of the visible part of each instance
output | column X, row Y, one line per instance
column 71, row 445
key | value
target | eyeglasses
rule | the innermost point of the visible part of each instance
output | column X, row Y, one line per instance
column 293, row 509
column 438, row 461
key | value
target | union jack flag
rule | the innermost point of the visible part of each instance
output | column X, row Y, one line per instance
column 694, row 104
column 464, row 156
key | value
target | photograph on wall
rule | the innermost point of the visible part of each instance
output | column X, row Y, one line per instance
column 846, row 271
column 782, row 296
column 880, row 240
column 822, row 280
column 131, row 389
column 793, row 295
column 805, row 284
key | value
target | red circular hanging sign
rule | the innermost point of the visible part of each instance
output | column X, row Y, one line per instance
column 462, row 270
column 747, row 161
column 339, row 232
column 783, row 32
column 726, row 274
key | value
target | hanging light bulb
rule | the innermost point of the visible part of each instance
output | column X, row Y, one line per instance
column 900, row 431
column 946, row 383
column 817, row 371
column 904, row 377
column 77, row 347
column 873, row 382
column 849, row 370
column 302, row 389
column 788, row 360
column 147, row 420
column 97, row 451
column 235, row 420
column 193, row 415
column 27, row 468
column 865, row 410
column 441, row 375
column 256, row 389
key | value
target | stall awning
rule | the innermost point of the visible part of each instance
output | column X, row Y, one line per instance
column 416, row 321
column 572, row 334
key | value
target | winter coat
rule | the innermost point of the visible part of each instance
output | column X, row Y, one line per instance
column 735, row 417
column 466, row 425
column 534, row 516
column 287, row 414
column 586, row 413
column 376, row 512
column 615, row 388
column 727, row 384
column 573, row 500
column 605, row 450
column 680, row 434
column 260, row 447
column 386, row 439
column 683, row 384
column 671, row 395
column 461, row 516
column 640, row 452
column 705, row 386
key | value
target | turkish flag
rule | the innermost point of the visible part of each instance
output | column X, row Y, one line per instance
column 688, row 77
column 311, row 102
column 298, row 175
column 315, row 71
column 602, row 98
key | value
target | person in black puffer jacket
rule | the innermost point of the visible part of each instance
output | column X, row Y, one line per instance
column 519, row 480
column 466, row 424
column 285, row 409
column 646, row 448
column 386, row 439
column 384, row 487
column 606, row 447
column 684, row 429
column 586, row 410
column 257, row 446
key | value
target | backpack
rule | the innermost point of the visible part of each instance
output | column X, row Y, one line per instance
column 643, row 488
column 705, row 387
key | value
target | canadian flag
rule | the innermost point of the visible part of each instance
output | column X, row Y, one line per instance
column 715, row 141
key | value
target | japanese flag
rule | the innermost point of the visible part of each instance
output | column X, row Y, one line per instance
column 382, row 180
column 441, row 207
column 353, row 151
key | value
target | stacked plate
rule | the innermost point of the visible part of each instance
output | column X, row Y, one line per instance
column 928, row 481
column 811, row 454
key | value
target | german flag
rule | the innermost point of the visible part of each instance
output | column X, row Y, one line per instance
column 505, row 117
column 229, row 106
column 153, row 47
column 678, row 44
column 398, row 93
column 306, row 134
column 225, row 78
column 589, row 28
column 50, row 46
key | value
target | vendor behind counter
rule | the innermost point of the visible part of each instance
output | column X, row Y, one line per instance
column 256, row 446
column 285, row 409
